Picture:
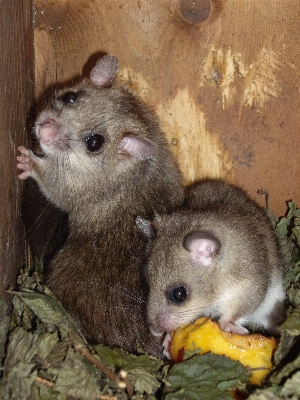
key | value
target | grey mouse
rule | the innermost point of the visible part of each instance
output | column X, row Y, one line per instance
column 217, row 257
column 105, row 161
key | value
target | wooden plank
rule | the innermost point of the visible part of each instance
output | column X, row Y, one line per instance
column 16, row 87
column 223, row 77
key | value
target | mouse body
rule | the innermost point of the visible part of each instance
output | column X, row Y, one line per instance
column 105, row 161
column 217, row 257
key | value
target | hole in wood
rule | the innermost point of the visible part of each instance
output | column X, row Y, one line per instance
column 195, row 11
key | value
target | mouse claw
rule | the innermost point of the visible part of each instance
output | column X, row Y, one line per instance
column 233, row 328
column 166, row 344
column 24, row 162
column 24, row 151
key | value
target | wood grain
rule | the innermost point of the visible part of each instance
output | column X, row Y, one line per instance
column 16, row 87
column 222, row 75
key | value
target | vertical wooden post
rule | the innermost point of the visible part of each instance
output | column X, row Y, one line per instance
column 16, row 88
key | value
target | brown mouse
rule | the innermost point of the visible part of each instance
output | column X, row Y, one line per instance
column 105, row 161
column 217, row 257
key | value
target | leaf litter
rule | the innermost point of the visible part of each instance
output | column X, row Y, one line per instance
column 45, row 357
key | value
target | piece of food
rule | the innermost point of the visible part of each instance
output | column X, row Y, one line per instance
column 254, row 351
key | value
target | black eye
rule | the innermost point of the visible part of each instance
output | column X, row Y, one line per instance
column 69, row 97
column 94, row 142
column 178, row 294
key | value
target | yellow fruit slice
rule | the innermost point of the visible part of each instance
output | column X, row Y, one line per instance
column 254, row 351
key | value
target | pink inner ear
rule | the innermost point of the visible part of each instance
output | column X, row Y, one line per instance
column 203, row 250
column 136, row 147
column 105, row 71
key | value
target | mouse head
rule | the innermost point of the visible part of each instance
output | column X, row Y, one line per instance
column 79, row 104
column 98, row 135
column 181, row 267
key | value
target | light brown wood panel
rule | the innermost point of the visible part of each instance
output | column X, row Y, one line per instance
column 222, row 75
column 16, row 88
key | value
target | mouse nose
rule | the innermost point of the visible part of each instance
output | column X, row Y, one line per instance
column 48, row 131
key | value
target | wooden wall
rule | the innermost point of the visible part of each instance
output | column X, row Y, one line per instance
column 222, row 75
column 16, row 88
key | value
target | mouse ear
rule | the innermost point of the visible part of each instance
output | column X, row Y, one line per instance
column 202, row 246
column 137, row 147
column 146, row 227
column 104, row 72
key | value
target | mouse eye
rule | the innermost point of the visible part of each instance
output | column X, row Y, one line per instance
column 69, row 98
column 178, row 294
column 94, row 142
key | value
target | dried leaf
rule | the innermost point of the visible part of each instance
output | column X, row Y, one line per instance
column 143, row 370
column 284, row 346
column 292, row 324
column 284, row 228
column 143, row 381
column 74, row 378
column 286, row 372
column 24, row 351
column 4, row 323
column 20, row 379
column 291, row 388
column 292, row 279
column 121, row 359
column 296, row 233
column 49, row 311
column 266, row 394
column 205, row 377
column 40, row 391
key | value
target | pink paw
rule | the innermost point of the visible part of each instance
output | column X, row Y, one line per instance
column 24, row 162
column 166, row 344
column 232, row 328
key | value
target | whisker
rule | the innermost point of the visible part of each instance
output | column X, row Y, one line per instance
column 124, row 291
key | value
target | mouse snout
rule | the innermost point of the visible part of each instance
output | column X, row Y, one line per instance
column 163, row 322
column 48, row 131
column 48, row 121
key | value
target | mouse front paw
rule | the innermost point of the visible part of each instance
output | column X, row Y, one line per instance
column 166, row 345
column 25, row 162
column 232, row 328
